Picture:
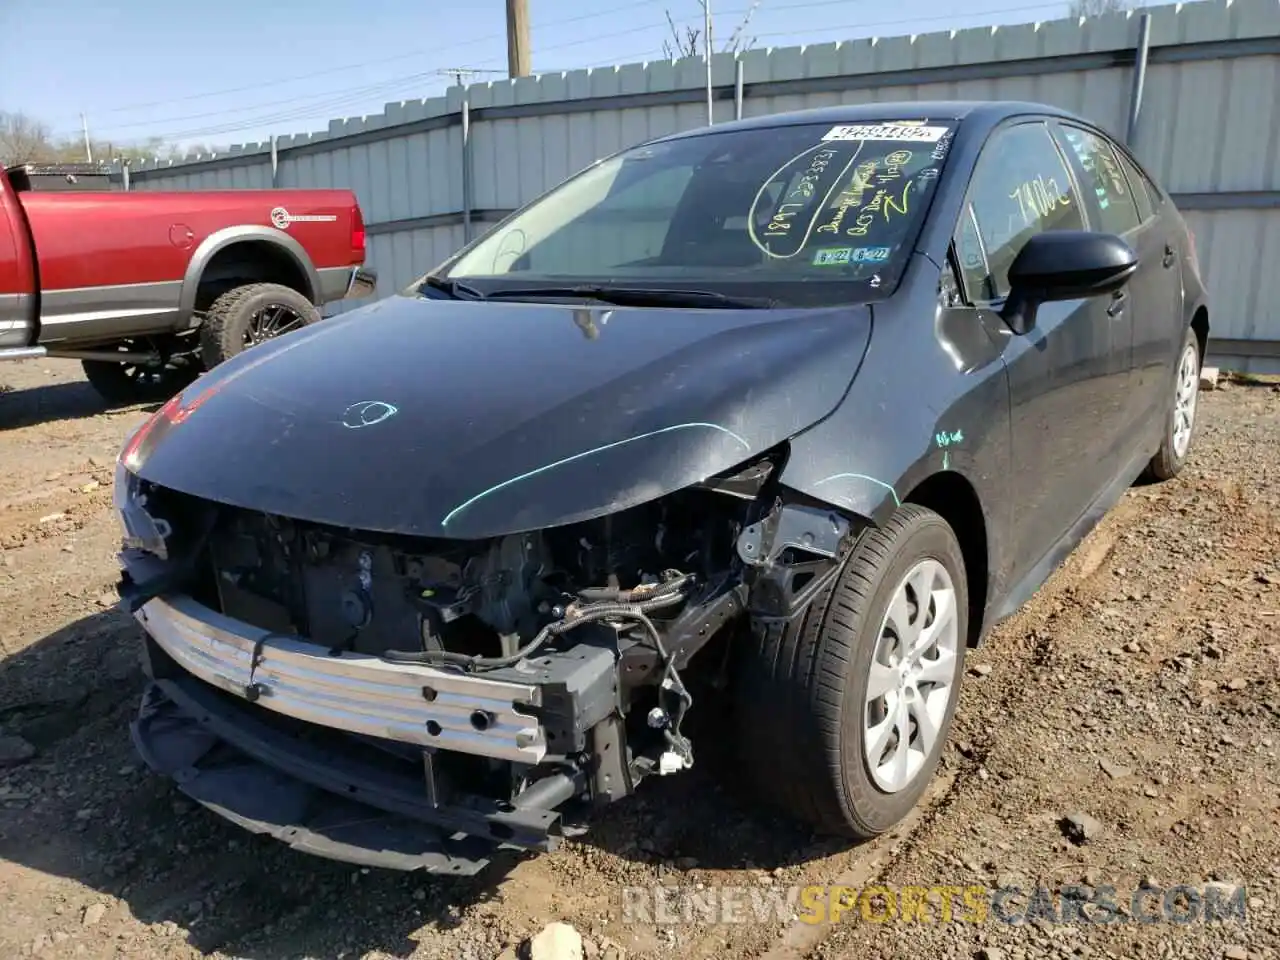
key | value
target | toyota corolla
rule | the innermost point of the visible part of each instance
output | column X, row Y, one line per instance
column 807, row 402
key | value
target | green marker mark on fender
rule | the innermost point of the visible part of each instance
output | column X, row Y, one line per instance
column 948, row 438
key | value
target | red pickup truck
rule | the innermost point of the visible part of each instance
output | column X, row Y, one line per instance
column 148, row 288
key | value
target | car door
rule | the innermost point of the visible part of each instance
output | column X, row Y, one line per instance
column 1068, row 376
column 1143, row 301
column 1161, row 325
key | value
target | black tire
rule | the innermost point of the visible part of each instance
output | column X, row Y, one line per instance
column 125, row 383
column 798, row 688
column 1168, row 462
column 243, row 316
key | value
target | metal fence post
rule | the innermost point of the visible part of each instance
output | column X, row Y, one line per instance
column 738, row 72
column 275, row 162
column 466, row 165
column 1139, row 77
column 708, row 53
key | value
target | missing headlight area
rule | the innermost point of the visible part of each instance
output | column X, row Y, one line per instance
column 484, row 691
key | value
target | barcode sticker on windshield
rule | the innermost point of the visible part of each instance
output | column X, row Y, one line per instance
column 908, row 132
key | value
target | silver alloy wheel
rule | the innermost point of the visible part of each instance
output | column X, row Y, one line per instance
column 1186, row 394
column 911, row 681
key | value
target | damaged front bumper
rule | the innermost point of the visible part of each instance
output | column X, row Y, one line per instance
column 351, row 691
column 280, row 736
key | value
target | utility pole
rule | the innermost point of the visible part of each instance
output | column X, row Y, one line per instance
column 88, row 147
column 706, row 39
column 517, row 38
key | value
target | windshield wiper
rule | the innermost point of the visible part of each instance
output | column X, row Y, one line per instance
column 637, row 296
column 452, row 288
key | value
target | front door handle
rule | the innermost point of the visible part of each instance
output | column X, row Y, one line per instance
column 1169, row 256
column 1118, row 300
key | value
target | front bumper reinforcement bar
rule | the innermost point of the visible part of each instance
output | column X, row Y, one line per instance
column 353, row 692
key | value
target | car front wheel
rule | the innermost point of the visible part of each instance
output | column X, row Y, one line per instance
column 844, row 714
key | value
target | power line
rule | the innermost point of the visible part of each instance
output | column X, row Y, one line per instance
column 341, row 99
column 350, row 96
column 379, row 62
column 910, row 20
column 327, row 109
column 807, row 4
column 359, row 96
column 344, row 93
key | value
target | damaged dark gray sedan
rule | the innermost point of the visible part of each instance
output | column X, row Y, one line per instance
column 803, row 404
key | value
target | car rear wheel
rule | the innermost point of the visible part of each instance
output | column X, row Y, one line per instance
column 1180, row 415
column 251, row 314
column 843, row 715
column 125, row 382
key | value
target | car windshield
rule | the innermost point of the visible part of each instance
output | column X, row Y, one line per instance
column 760, row 213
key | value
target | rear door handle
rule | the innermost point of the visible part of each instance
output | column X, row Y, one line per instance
column 1118, row 300
column 1169, row 256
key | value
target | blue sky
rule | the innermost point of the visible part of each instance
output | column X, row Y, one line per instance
column 239, row 70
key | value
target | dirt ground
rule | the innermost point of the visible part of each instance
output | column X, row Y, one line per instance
column 1140, row 687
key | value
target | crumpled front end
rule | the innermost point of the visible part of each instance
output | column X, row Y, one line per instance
column 412, row 701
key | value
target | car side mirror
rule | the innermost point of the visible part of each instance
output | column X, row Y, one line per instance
column 1064, row 265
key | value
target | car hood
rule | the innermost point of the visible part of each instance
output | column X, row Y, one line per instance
column 472, row 419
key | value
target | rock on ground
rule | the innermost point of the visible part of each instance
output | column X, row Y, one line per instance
column 556, row 941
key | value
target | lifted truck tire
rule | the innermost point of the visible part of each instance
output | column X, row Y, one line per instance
column 125, row 383
column 250, row 314
column 802, row 694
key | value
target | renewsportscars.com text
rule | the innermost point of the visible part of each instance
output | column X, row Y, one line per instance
column 942, row 903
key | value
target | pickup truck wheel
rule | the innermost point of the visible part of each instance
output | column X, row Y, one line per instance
column 124, row 383
column 843, row 714
column 249, row 315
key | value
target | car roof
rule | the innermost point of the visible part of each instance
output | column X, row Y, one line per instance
column 980, row 112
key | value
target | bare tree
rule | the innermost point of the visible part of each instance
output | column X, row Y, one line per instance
column 738, row 40
column 24, row 140
column 687, row 41
column 1096, row 8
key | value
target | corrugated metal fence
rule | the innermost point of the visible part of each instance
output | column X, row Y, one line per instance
column 1195, row 88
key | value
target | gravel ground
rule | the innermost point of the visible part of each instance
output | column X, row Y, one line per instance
column 1140, row 689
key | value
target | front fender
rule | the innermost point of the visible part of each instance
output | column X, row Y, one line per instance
column 929, row 398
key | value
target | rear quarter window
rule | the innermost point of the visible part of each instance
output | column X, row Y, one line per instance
column 1144, row 191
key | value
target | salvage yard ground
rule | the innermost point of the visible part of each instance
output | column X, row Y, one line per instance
column 1141, row 688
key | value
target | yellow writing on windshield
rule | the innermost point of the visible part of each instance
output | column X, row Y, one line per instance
column 799, row 206
column 893, row 166
column 885, row 203
column 851, row 196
